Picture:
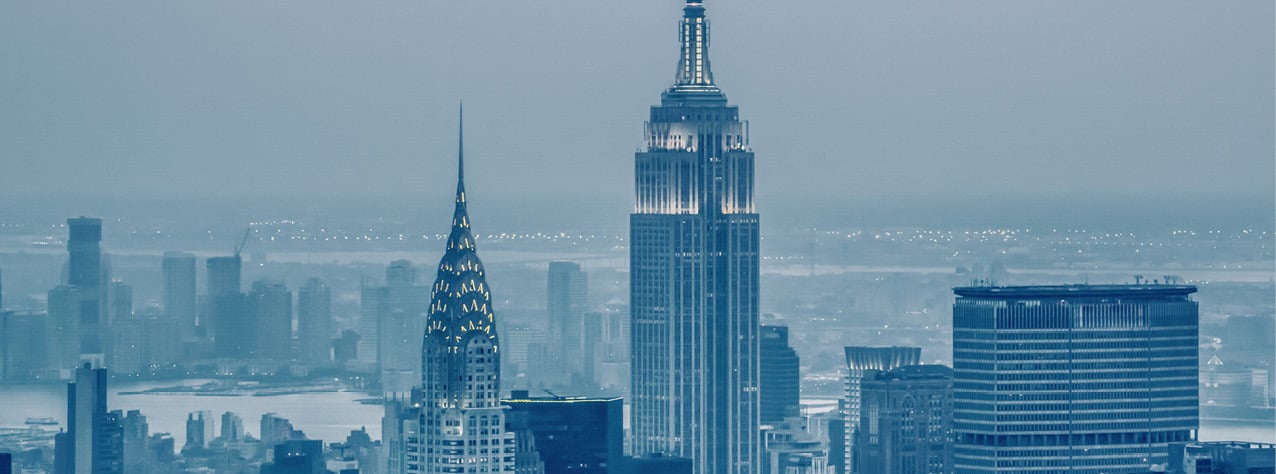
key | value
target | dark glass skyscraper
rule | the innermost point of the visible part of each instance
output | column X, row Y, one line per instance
column 87, row 273
column 94, row 440
column 574, row 435
column 781, row 379
column 694, row 273
column 1078, row 379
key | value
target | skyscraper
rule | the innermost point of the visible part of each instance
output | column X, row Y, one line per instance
column 694, row 273
column 393, row 316
column 22, row 344
column 87, row 273
column 575, row 435
column 226, row 316
column 200, row 429
column 1080, row 378
column 462, row 421
column 94, row 440
column 179, row 290
column 271, row 305
column 565, row 303
column 62, row 335
column 314, row 322
column 906, row 426
column 781, row 380
column 859, row 361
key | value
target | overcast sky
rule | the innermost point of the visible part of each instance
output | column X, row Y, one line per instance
column 846, row 99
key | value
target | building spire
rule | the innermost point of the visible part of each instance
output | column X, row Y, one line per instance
column 460, row 145
column 693, row 64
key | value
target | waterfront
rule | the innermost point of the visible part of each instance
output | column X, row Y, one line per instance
column 331, row 416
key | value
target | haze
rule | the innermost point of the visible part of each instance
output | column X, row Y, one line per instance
column 846, row 99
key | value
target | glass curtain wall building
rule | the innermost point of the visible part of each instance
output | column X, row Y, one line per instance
column 694, row 273
column 1079, row 379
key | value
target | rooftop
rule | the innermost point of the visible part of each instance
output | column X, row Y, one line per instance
column 1073, row 291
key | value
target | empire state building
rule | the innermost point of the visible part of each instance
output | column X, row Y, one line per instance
column 694, row 273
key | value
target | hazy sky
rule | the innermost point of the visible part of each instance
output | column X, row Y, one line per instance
column 846, row 99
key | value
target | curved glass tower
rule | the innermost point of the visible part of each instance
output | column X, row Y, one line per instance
column 462, row 424
column 694, row 273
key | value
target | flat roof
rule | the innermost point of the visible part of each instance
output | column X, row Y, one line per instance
column 1072, row 291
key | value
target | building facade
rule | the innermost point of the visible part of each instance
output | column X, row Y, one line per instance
column 87, row 271
column 461, row 425
column 861, row 360
column 694, row 273
column 566, row 290
column 574, row 435
column 1080, row 378
column 314, row 322
column 781, row 380
column 906, row 421
column 179, row 290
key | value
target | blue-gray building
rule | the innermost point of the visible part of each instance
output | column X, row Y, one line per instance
column 1079, row 378
column 575, row 435
column 694, row 273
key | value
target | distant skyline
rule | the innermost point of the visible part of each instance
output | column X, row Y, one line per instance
column 849, row 100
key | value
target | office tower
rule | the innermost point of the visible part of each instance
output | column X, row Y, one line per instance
column 276, row 429
column 87, row 272
column 199, row 429
column 298, row 456
column 860, row 360
column 578, row 435
column 1221, row 457
column 527, row 456
column 179, row 290
column 567, row 287
column 232, row 427
column 401, row 422
column 1082, row 378
column 271, row 306
column 227, row 316
column 94, row 440
column 694, row 273
column 136, row 435
column 611, row 350
column 462, row 421
column 906, row 421
column 780, row 381
column 162, row 338
column 345, row 348
column 23, row 344
column 128, row 346
column 6, row 463
column 837, row 442
column 121, row 297
column 518, row 340
column 394, row 316
column 223, row 291
column 62, row 336
column 314, row 322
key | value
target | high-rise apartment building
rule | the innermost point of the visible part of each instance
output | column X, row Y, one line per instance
column 271, row 305
column 859, row 361
column 906, row 421
column 314, row 322
column 781, row 381
column 226, row 315
column 179, row 290
column 694, row 273
column 200, row 429
column 461, row 422
column 567, row 287
column 1080, row 378
column 393, row 316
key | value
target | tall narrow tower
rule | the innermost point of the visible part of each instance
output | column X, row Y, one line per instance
column 694, row 273
column 461, row 422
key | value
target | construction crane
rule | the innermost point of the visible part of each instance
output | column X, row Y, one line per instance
column 244, row 241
